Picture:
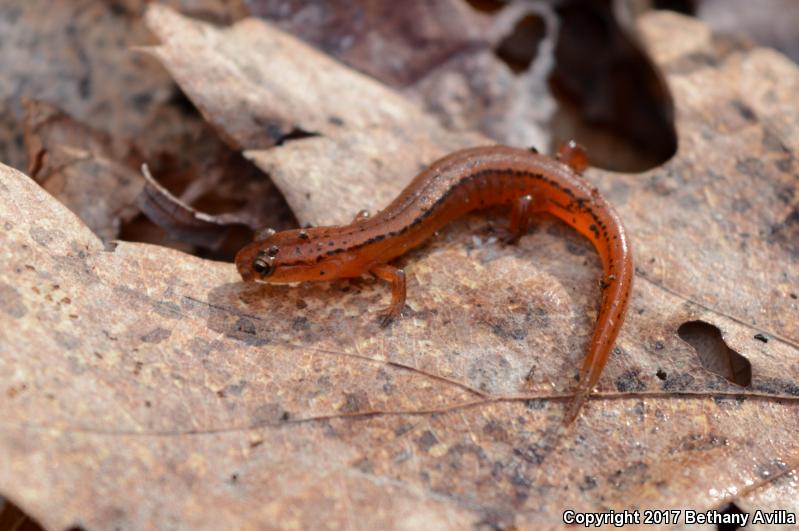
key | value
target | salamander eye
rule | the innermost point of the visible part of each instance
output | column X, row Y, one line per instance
column 263, row 267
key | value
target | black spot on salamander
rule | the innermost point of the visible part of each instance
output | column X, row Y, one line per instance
column 594, row 229
column 319, row 258
column 331, row 243
column 321, row 273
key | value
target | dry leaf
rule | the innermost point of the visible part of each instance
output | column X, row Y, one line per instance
column 446, row 55
column 149, row 388
column 75, row 55
column 362, row 34
column 223, row 198
column 88, row 172
column 244, row 81
column 489, row 67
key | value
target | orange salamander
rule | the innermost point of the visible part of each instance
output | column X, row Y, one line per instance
column 463, row 181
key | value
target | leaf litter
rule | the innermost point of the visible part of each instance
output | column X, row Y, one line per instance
column 149, row 371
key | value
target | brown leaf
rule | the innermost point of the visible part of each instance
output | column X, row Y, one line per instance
column 244, row 80
column 181, row 221
column 216, row 11
column 363, row 34
column 223, row 199
column 148, row 388
column 83, row 168
column 489, row 66
column 453, row 63
column 771, row 23
column 76, row 56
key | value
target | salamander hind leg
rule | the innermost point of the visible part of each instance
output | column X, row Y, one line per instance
column 574, row 155
column 581, row 394
column 520, row 218
column 397, row 278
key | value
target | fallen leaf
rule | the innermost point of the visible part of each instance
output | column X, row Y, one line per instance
column 148, row 388
column 490, row 67
column 224, row 199
column 452, row 64
column 771, row 23
column 230, row 75
column 88, row 172
column 362, row 34
column 77, row 57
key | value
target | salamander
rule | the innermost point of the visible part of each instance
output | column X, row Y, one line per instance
column 461, row 182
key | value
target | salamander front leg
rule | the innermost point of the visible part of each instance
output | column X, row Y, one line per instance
column 574, row 155
column 520, row 217
column 397, row 278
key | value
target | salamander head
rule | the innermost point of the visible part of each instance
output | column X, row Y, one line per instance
column 290, row 256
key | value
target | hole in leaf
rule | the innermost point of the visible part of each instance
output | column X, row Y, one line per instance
column 714, row 354
column 519, row 48
column 611, row 96
column 729, row 509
